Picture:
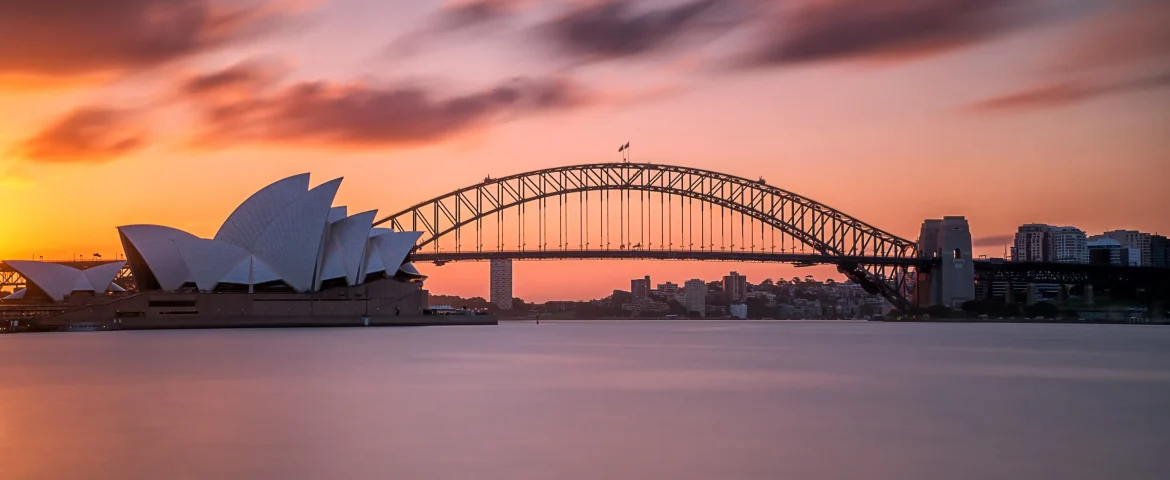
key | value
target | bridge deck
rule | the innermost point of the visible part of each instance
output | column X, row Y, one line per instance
column 797, row 258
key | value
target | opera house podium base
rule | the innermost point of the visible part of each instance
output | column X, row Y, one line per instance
column 382, row 303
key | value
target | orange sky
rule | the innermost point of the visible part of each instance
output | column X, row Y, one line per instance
column 145, row 111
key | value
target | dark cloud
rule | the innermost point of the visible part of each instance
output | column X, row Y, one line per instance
column 456, row 18
column 844, row 29
column 1132, row 33
column 85, row 135
column 1066, row 93
column 993, row 240
column 247, row 77
column 616, row 29
column 60, row 38
column 321, row 113
column 475, row 13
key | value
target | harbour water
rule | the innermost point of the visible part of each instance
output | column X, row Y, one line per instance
column 588, row 400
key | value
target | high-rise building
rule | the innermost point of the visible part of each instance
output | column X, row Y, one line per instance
column 695, row 296
column 640, row 287
column 501, row 283
column 1104, row 250
column 668, row 289
column 1135, row 240
column 1159, row 251
column 1131, row 257
column 1033, row 243
column 734, row 287
column 1068, row 245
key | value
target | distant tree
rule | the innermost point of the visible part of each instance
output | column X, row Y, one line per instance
column 619, row 297
column 1042, row 309
column 767, row 282
column 757, row 308
column 939, row 311
column 1007, row 311
column 830, row 282
column 795, row 280
column 809, row 279
column 978, row 307
column 676, row 308
column 520, row 305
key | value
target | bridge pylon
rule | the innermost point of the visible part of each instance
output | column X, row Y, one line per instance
column 951, row 281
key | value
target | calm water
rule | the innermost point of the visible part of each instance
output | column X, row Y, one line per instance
column 606, row 400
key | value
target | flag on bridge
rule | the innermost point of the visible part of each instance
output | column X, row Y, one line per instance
column 624, row 147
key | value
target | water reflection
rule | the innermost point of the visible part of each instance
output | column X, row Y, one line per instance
column 681, row 400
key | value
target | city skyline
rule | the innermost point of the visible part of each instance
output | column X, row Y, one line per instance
column 1016, row 123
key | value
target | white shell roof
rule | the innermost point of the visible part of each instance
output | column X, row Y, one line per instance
column 260, row 272
column 285, row 232
column 251, row 219
column 58, row 281
column 17, row 295
column 209, row 260
column 292, row 241
column 156, row 245
column 103, row 275
column 393, row 247
column 346, row 247
column 337, row 213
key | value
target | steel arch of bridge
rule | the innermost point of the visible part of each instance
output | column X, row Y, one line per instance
column 842, row 239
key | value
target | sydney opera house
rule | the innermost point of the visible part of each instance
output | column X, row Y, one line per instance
column 286, row 255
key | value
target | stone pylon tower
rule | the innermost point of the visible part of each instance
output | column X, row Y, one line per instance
column 952, row 280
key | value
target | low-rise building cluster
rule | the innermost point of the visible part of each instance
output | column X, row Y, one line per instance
column 1047, row 243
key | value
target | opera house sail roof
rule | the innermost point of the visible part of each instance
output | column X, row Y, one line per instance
column 56, row 281
column 284, row 237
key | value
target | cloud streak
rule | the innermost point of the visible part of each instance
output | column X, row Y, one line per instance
column 993, row 240
column 457, row 18
column 610, row 30
column 357, row 115
column 69, row 38
column 1066, row 93
column 85, row 135
column 816, row 31
column 1125, row 35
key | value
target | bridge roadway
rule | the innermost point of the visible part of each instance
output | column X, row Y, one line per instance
column 800, row 259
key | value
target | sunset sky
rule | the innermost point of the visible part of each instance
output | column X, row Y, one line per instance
column 172, row 112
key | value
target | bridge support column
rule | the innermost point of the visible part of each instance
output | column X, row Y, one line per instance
column 1009, row 294
column 1087, row 296
column 1030, row 294
column 949, row 240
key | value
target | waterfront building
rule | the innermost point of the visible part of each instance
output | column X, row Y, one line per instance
column 285, row 238
column 501, row 283
column 1104, row 251
column 1159, row 251
column 737, row 310
column 1069, row 245
column 734, row 287
column 668, row 290
column 1033, row 243
column 640, row 287
column 1138, row 241
column 695, row 296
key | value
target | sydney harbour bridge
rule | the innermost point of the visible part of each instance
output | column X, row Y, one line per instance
column 651, row 211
